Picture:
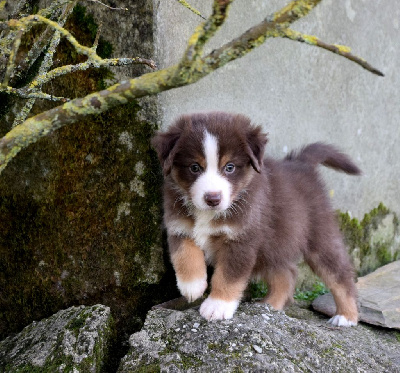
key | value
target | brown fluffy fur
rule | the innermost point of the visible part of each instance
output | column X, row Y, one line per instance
column 280, row 213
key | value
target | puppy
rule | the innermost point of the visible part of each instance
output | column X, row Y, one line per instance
column 248, row 216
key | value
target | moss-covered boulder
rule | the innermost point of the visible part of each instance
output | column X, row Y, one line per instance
column 80, row 209
column 72, row 340
column 373, row 241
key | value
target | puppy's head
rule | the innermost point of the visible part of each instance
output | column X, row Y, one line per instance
column 211, row 157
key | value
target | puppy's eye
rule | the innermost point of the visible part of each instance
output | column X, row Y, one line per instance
column 195, row 168
column 229, row 168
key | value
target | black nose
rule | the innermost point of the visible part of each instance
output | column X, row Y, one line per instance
column 212, row 198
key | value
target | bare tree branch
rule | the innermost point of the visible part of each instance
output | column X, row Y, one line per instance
column 192, row 67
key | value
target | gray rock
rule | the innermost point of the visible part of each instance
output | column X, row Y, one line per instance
column 72, row 340
column 257, row 339
column 378, row 294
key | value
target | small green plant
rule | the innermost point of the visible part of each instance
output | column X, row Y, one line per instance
column 258, row 289
column 318, row 289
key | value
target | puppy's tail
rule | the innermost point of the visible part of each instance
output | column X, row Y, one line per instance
column 327, row 155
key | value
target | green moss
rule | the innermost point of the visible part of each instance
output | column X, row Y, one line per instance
column 77, row 323
column 84, row 20
column 359, row 238
column 334, row 350
column 148, row 368
column 87, row 26
column 384, row 255
column 309, row 295
column 258, row 289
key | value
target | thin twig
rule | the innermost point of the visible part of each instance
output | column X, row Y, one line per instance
column 12, row 58
column 335, row 48
column 81, row 49
column 195, row 11
column 107, row 6
column 23, row 93
column 206, row 31
column 30, row 92
column 62, row 70
column 96, row 40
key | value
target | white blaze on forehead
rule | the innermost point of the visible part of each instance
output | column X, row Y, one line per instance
column 211, row 180
column 210, row 145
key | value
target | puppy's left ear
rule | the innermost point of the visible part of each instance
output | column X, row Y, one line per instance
column 256, row 141
column 165, row 145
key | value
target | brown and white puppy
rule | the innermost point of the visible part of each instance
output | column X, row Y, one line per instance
column 249, row 216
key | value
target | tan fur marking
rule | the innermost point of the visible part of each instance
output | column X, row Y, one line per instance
column 280, row 289
column 202, row 162
column 346, row 304
column 224, row 290
column 225, row 159
column 189, row 262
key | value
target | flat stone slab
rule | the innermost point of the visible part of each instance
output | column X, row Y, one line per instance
column 257, row 339
column 72, row 340
column 378, row 296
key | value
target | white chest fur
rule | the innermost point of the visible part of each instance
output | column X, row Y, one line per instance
column 201, row 231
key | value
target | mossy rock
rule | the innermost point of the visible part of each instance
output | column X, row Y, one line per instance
column 73, row 340
column 374, row 241
column 80, row 211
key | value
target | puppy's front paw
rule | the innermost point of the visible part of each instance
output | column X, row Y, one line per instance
column 192, row 290
column 218, row 309
column 340, row 320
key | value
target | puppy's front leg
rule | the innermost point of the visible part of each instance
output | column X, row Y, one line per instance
column 224, row 297
column 190, row 267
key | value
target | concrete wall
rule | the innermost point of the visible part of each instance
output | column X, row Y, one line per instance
column 302, row 94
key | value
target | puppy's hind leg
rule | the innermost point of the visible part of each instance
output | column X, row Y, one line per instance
column 334, row 268
column 281, row 283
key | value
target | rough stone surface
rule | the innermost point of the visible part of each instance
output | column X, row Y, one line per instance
column 72, row 340
column 378, row 296
column 257, row 339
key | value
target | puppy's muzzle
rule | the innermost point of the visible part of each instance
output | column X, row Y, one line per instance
column 213, row 198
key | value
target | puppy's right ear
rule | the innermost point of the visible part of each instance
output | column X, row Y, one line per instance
column 256, row 141
column 165, row 145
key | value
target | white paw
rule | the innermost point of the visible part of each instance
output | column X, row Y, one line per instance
column 340, row 320
column 192, row 290
column 218, row 309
